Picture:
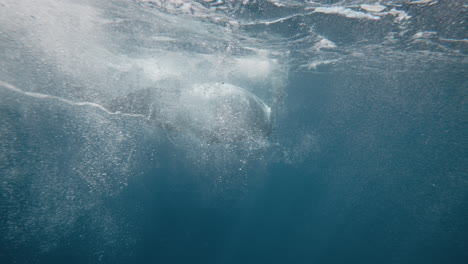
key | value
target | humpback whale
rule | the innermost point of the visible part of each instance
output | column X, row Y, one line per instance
column 217, row 112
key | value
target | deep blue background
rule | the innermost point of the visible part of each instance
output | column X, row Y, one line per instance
column 386, row 185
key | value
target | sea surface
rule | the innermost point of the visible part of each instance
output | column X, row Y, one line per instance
column 229, row 132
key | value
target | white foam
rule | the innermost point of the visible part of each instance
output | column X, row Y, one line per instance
column 67, row 34
column 454, row 40
column 346, row 12
column 224, row 111
column 324, row 43
column 399, row 15
column 423, row 2
column 162, row 38
column 373, row 8
column 272, row 21
column 254, row 67
column 314, row 64
column 424, row 34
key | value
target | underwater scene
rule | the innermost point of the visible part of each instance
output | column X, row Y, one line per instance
column 233, row 131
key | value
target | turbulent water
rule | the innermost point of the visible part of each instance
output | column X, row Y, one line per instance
column 223, row 131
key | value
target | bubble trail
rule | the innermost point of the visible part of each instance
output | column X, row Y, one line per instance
column 13, row 88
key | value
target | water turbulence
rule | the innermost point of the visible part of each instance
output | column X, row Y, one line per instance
column 90, row 91
column 227, row 112
column 216, row 112
column 259, row 131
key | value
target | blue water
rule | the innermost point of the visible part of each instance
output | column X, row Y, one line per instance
column 365, row 163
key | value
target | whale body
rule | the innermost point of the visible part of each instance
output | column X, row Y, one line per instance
column 217, row 112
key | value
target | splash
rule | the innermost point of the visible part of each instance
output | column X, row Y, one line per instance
column 215, row 112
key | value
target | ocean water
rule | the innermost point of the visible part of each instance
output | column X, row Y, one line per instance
column 222, row 131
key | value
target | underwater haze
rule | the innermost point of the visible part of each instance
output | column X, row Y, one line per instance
column 233, row 131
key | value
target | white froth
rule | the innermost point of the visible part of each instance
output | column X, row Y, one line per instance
column 373, row 8
column 454, row 40
column 424, row 34
column 224, row 112
column 214, row 90
column 314, row 64
column 324, row 43
column 254, row 68
column 399, row 15
column 162, row 38
column 423, row 2
column 160, row 68
column 346, row 12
